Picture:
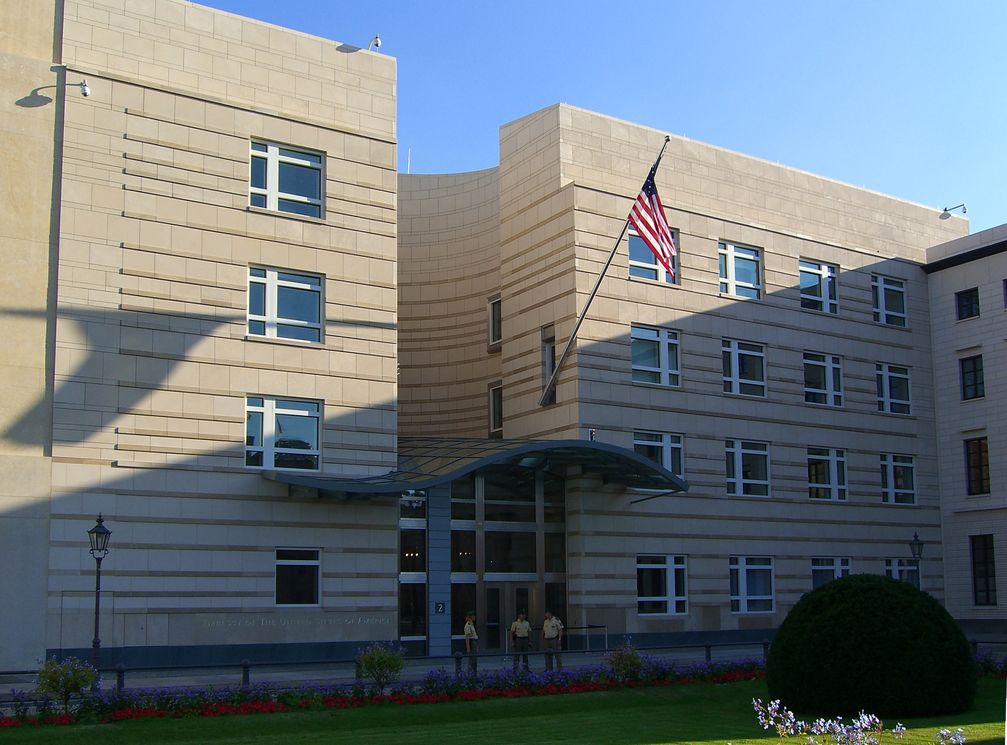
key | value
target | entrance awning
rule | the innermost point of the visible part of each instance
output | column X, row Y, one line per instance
column 425, row 462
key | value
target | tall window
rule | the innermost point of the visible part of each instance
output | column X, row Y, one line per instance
column 740, row 270
column 751, row 584
column 285, row 180
column 284, row 305
column 644, row 264
column 893, row 388
column 889, row 296
column 660, row 585
column 977, row 465
column 744, row 368
column 747, row 468
column 496, row 410
column 298, row 576
column 827, row 474
column 826, row 569
column 655, row 355
column 818, row 286
column 973, row 384
column 282, row 433
column 967, row 303
column 823, row 379
column 494, row 311
column 904, row 570
column 984, row 574
column 898, row 479
column 548, row 360
column 663, row 448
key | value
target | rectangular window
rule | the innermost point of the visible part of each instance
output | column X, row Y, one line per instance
column 284, row 305
column 818, row 286
column 412, row 550
column 826, row 569
column 285, row 180
column 984, row 575
column 893, row 388
column 298, row 576
column 967, row 303
column 744, row 368
column 655, row 355
column 827, row 474
column 973, row 383
column 282, row 433
column 898, row 479
column 904, row 570
column 751, row 584
column 661, row 447
column 889, row 299
column 494, row 310
column 823, row 379
column 660, row 586
column 740, row 270
column 644, row 264
column 977, row 465
column 496, row 410
column 548, row 360
column 509, row 552
column 747, row 466
column 413, row 612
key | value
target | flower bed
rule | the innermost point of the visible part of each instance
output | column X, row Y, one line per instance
column 438, row 686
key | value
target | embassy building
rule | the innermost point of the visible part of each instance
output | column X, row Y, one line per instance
column 305, row 392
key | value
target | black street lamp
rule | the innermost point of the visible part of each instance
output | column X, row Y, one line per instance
column 916, row 548
column 98, row 535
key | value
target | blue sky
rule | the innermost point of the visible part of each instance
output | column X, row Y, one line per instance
column 903, row 97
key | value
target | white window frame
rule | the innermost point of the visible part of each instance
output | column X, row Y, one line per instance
column 270, row 408
column 273, row 156
column 885, row 374
column 676, row 596
column 495, row 409
column 890, row 463
column 882, row 313
column 271, row 282
column 317, row 562
column 669, row 370
column 835, row 489
column 733, row 351
column 904, row 570
column 741, row 600
column 836, row 566
column 727, row 255
column 671, row 444
column 828, row 299
column 494, row 321
column 652, row 269
column 832, row 366
column 735, row 452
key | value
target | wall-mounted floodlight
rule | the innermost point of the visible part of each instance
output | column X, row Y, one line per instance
column 948, row 210
column 85, row 90
column 375, row 44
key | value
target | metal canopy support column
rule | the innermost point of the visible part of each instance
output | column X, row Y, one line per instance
column 439, row 570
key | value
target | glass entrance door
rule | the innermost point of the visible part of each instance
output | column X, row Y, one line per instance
column 503, row 601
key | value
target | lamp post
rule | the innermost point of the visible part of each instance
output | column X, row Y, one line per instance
column 98, row 535
column 916, row 548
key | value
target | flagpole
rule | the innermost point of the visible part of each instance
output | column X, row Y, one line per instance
column 551, row 383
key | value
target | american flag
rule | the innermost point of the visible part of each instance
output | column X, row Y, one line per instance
column 647, row 216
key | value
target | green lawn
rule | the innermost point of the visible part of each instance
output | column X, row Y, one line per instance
column 646, row 716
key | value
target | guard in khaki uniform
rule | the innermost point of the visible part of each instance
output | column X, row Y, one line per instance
column 552, row 641
column 471, row 640
column 520, row 635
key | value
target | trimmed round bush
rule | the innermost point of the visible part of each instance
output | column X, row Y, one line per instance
column 870, row 643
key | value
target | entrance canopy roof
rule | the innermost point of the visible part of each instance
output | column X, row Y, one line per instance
column 425, row 462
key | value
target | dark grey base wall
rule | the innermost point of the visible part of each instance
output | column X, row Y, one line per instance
column 213, row 655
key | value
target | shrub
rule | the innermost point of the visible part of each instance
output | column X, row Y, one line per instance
column 871, row 643
column 382, row 663
column 65, row 679
column 625, row 661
